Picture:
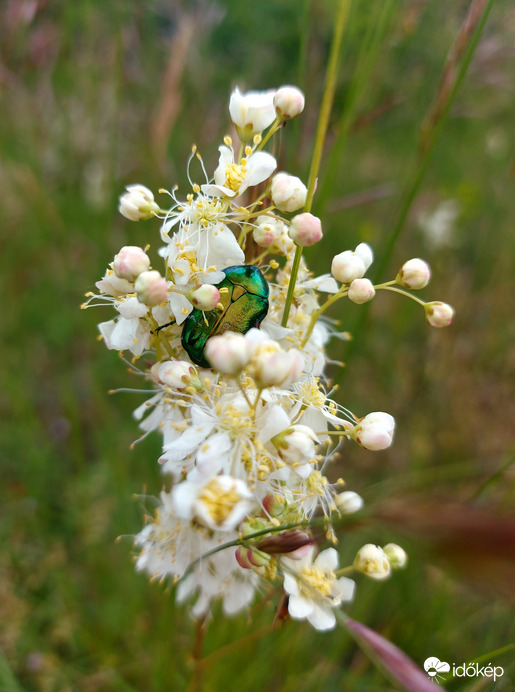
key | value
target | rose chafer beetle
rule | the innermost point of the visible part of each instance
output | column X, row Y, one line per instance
column 245, row 305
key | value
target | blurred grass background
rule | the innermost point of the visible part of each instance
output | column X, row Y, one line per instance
column 96, row 95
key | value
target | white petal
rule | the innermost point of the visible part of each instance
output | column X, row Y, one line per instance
column 322, row 618
column 260, row 166
column 178, row 302
column 220, row 249
column 324, row 283
column 299, row 607
column 217, row 190
column 277, row 420
column 327, row 559
column 186, row 444
column 214, row 451
column 131, row 308
column 345, row 588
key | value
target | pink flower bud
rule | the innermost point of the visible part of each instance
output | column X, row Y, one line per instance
column 228, row 353
column 305, row 229
column 205, row 297
column 414, row 274
column 289, row 102
column 288, row 192
column 361, row 291
column 137, row 204
column 130, row 262
column 439, row 314
column 375, row 431
column 151, row 288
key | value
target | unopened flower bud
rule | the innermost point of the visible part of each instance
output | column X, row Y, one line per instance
column 375, row 431
column 397, row 557
column 130, row 262
column 137, row 204
column 305, row 229
column 361, row 291
column 288, row 192
column 267, row 230
column 372, row 561
column 273, row 505
column 151, row 288
column 205, row 297
column 347, row 267
column 296, row 543
column 348, row 502
column 289, row 102
column 296, row 444
column 228, row 353
column 272, row 367
column 414, row 274
column 439, row 314
column 251, row 113
column 178, row 374
column 364, row 252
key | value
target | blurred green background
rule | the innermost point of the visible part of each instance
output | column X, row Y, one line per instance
column 96, row 95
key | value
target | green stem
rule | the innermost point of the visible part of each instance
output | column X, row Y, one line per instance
column 403, row 293
column 430, row 130
column 323, row 123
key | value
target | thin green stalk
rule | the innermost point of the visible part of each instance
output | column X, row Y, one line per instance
column 452, row 78
column 323, row 123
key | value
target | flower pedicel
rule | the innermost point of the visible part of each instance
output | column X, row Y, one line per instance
column 240, row 399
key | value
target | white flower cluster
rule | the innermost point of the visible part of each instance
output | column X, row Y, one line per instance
column 237, row 358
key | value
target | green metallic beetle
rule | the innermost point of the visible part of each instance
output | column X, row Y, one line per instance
column 245, row 305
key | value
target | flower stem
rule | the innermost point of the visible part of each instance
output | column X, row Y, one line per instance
column 384, row 287
column 323, row 123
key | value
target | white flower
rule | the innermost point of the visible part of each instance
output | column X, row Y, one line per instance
column 271, row 366
column 267, row 230
column 220, row 503
column 372, row 561
column 137, row 204
column 232, row 179
column 314, row 589
column 178, row 374
column 251, row 113
column 168, row 546
column 296, row 446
